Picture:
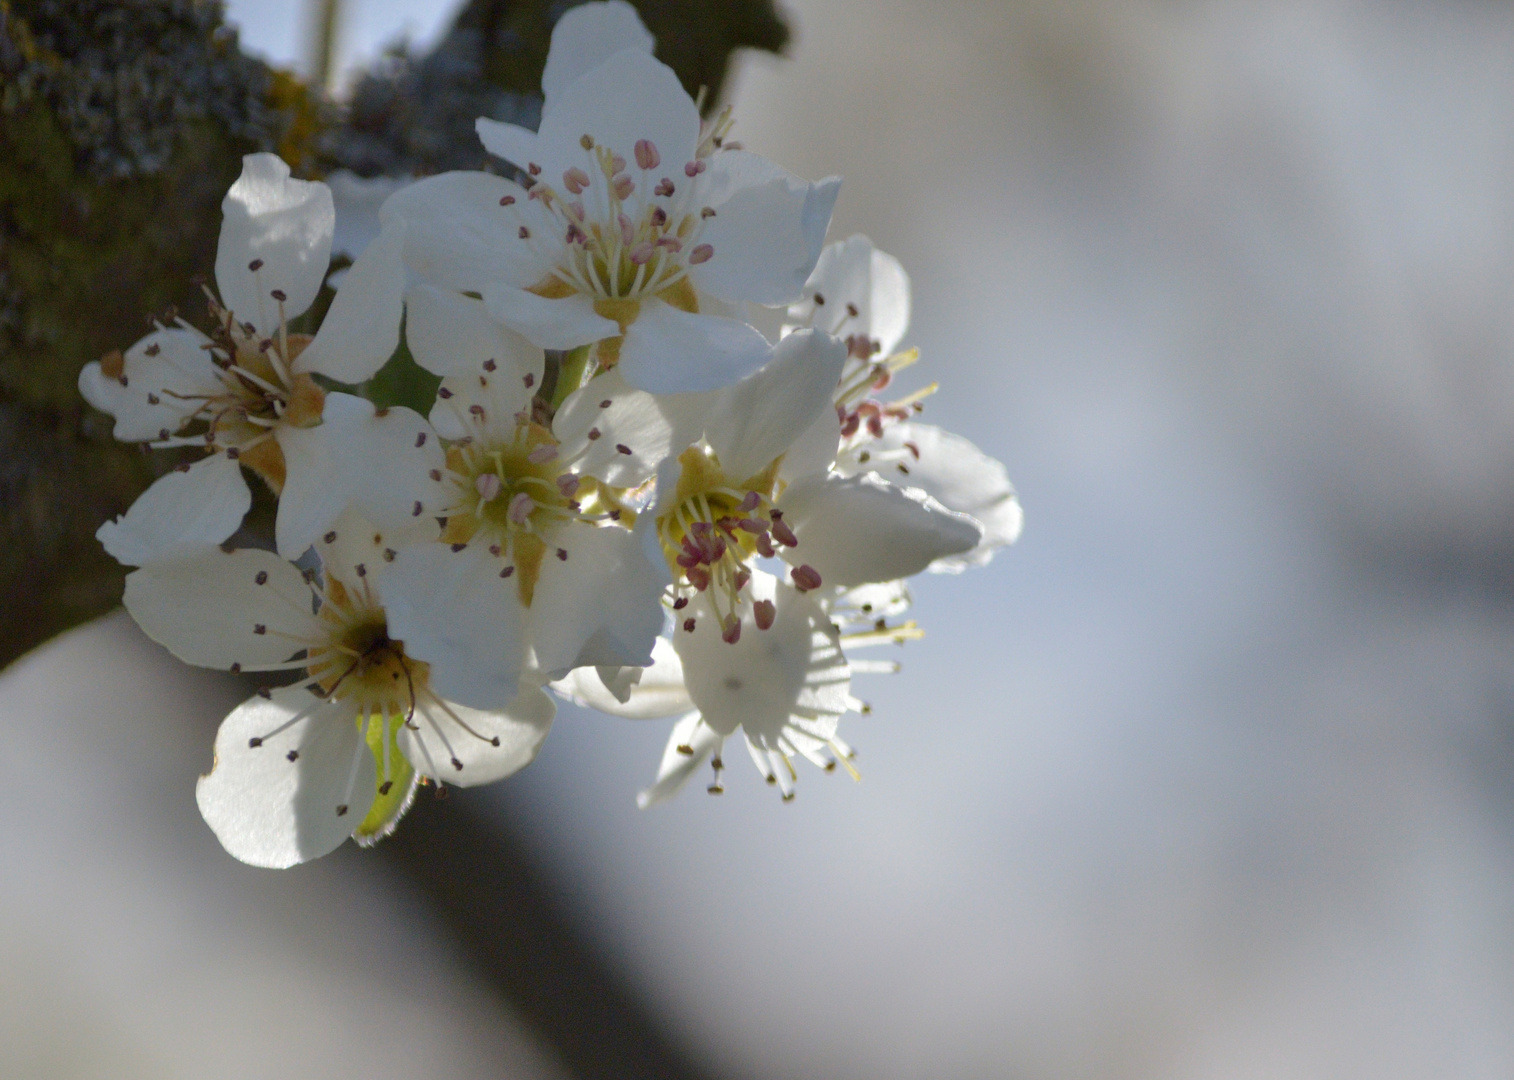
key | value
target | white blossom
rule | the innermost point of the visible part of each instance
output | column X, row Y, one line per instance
column 636, row 225
column 339, row 753
column 785, row 687
column 537, row 567
column 248, row 391
column 863, row 295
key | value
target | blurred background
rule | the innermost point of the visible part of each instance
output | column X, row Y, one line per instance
column 1210, row 776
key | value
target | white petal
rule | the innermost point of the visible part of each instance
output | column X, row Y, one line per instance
column 183, row 511
column 650, row 427
column 285, row 223
column 378, row 464
column 358, row 200
column 852, row 274
column 585, row 37
column 270, row 811
column 452, row 610
column 762, row 415
column 859, row 529
column 520, row 728
column 509, row 142
column 962, row 478
column 207, row 608
column 161, row 389
column 354, row 547
column 456, row 412
column 361, row 330
column 451, row 334
column 676, row 766
column 767, row 232
column 761, row 681
column 458, row 236
column 564, row 323
column 670, row 351
column 600, row 605
column 630, row 96
column 659, row 692
column 814, row 451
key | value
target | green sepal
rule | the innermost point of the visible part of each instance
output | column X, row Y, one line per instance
column 387, row 808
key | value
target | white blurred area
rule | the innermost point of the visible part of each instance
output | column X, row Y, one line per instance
column 1210, row 777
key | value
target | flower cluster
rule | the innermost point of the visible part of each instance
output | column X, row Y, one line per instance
column 624, row 493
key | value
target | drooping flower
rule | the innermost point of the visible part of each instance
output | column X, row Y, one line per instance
column 537, row 567
column 863, row 295
column 635, row 226
column 339, row 753
column 784, row 686
column 247, row 392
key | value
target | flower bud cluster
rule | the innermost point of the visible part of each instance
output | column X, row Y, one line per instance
column 621, row 494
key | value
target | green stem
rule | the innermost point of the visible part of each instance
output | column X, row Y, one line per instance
column 571, row 375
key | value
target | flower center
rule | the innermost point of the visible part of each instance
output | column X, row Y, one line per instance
column 361, row 663
column 621, row 237
column 260, row 392
column 514, row 495
column 713, row 529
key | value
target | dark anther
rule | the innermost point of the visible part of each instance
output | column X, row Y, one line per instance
column 262, row 578
column 233, row 453
column 341, row 811
column 416, row 510
column 266, row 694
column 529, row 380
column 293, row 755
column 623, row 448
column 593, row 433
column 385, row 786
column 330, row 537
column 688, row 624
column 525, row 233
column 279, row 295
column 152, row 399
column 494, row 741
column 436, row 474
column 443, row 393
column 254, row 742
column 681, row 603
column 508, row 200
column 851, row 309
column 255, row 265
column 259, row 628
column 490, row 365
column 420, row 439
column 819, row 300
column 362, row 571
column 458, row 547
column 605, row 404
column 458, row 765
column 389, row 554
column 562, row 554
column 507, row 571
